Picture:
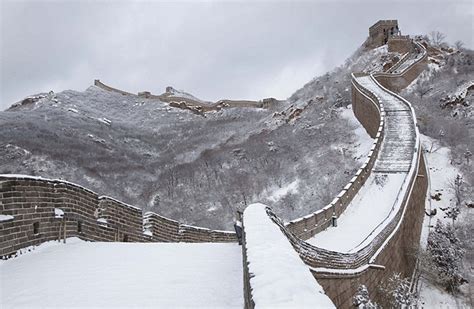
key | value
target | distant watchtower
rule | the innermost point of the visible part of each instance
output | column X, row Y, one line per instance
column 381, row 31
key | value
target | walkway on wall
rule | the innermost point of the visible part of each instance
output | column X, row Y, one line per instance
column 126, row 275
column 414, row 57
column 374, row 202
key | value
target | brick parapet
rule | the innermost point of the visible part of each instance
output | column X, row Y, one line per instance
column 32, row 201
column 366, row 109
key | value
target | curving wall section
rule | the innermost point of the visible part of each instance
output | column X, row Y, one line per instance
column 311, row 224
column 388, row 248
column 35, row 210
column 101, row 85
column 367, row 110
column 398, row 81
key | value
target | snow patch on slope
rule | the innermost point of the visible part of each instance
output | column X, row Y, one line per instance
column 363, row 142
column 441, row 173
column 279, row 193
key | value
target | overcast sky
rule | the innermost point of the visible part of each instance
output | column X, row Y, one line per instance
column 213, row 49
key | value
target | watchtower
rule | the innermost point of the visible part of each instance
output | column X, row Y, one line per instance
column 381, row 31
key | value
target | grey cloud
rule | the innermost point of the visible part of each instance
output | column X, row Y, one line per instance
column 211, row 49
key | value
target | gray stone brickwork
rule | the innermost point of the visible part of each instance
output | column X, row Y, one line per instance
column 32, row 203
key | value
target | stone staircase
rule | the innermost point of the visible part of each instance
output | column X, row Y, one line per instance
column 398, row 146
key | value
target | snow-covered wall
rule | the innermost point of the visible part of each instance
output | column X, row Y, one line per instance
column 341, row 273
column 33, row 203
column 186, row 101
column 390, row 248
column 395, row 254
column 368, row 112
column 275, row 274
column 100, row 84
column 398, row 81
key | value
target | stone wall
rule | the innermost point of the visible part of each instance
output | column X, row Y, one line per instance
column 395, row 256
column 161, row 229
column 391, row 250
column 249, row 303
column 34, row 204
column 400, row 44
column 398, row 81
column 370, row 115
column 366, row 110
column 126, row 220
column 101, row 85
column 198, row 234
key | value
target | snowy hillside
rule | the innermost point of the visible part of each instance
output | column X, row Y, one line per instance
column 294, row 156
column 442, row 97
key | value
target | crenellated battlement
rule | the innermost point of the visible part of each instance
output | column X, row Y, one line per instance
column 31, row 205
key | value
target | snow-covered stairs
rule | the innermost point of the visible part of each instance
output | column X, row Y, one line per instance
column 398, row 146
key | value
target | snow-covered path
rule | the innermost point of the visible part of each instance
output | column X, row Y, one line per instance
column 398, row 145
column 158, row 275
column 375, row 201
column 408, row 62
column 367, row 210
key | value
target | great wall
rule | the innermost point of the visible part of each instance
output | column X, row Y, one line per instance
column 189, row 103
column 35, row 210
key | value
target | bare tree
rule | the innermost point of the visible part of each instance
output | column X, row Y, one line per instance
column 459, row 45
column 422, row 88
column 467, row 156
column 437, row 38
column 457, row 186
column 454, row 209
column 434, row 146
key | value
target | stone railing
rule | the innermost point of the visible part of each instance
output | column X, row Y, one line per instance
column 40, row 210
